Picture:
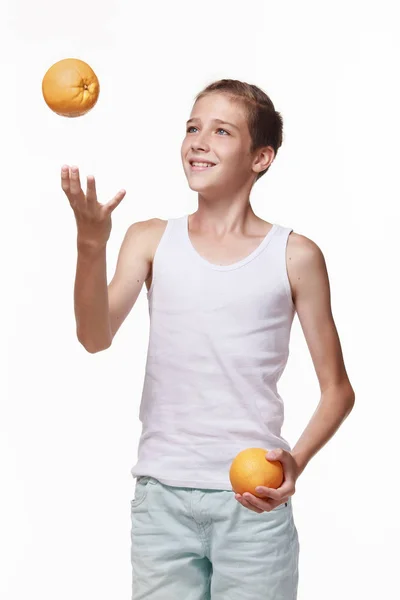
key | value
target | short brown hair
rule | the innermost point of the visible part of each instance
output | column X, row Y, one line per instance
column 264, row 122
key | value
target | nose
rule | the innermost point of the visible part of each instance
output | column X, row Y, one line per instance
column 200, row 142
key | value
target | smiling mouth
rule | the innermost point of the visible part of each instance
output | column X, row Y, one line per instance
column 198, row 168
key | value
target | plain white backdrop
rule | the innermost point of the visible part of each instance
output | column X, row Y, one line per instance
column 69, row 425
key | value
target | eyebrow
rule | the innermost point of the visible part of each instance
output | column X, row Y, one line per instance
column 215, row 121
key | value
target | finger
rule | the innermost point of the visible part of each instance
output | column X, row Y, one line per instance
column 65, row 178
column 276, row 497
column 261, row 504
column 287, row 489
column 91, row 193
column 268, row 504
column 75, row 182
column 110, row 206
column 268, row 493
column 247, row 504
column 279, row 494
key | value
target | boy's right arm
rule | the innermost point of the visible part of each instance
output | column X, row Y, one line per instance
column 100, row 310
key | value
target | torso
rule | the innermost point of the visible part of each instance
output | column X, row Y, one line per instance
column 225, row 253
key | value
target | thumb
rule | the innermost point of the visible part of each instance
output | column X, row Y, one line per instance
column 274, row 455
column 110, row 206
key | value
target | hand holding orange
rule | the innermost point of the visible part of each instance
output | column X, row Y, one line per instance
column 279, row 472
column 251, row 469
column 70, row 87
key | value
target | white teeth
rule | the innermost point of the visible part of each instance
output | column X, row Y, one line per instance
column 201, row 164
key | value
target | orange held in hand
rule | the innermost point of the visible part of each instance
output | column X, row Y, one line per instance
column 70, row 87
column 250, row 468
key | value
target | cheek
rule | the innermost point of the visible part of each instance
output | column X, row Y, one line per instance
column 235, row 161
column 185, row 147
column 233, row 154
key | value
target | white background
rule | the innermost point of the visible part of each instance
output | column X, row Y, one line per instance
column 69, row 423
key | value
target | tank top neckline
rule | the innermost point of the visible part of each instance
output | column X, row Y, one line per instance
column 264, row 242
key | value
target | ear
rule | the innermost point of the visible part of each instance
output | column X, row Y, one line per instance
column 263, row 159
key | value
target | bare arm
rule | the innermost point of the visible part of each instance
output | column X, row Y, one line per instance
column 91, row 299
column 100, row 309
column 132, row 270
column 311, row 290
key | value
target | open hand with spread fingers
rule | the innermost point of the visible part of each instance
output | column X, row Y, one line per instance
column 92, row 218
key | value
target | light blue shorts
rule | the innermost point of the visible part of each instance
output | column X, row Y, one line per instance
column 201, row 544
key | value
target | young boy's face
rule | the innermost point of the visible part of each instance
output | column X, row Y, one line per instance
column 225, row 143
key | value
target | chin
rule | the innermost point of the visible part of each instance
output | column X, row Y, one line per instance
column 194, row 187
column 199, row 185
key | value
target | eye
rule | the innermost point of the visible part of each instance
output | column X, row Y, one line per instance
column 192, row 127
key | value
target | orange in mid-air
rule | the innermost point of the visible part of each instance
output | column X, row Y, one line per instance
column 250, row 468
column 70, row 87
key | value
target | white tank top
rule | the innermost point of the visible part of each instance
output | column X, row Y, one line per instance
column 218, row 344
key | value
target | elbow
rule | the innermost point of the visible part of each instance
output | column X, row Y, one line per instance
column 352, row 395
column 351, row 401
column 93, row 347
column 347, row 394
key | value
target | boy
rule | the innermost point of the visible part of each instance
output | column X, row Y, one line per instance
column 223, row 287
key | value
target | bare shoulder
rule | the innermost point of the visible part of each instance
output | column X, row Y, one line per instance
column 148, row 226
column 155, row 230
column 302, row 250
column 306, row 265
column 149, row 232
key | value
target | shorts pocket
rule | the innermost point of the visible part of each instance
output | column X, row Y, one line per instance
column 141, row 489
